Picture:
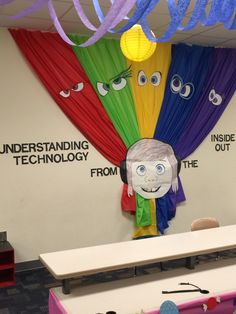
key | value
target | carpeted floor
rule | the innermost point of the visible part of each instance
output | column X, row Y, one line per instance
column 30, row 294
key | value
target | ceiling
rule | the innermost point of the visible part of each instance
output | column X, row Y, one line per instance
column 158, row 21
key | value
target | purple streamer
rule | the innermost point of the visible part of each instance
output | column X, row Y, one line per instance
column 57, row 24
column 3, row 2
column 108, row 21
column 37, row 5
column 82, row 16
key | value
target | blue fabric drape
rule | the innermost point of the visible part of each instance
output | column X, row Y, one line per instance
column 184, row 84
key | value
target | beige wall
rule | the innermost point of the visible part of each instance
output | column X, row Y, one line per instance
column 49, row 207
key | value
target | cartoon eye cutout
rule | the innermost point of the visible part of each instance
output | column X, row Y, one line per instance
column 65, row 93
column 78, row 87
column 156, row 78
column 187, row 91
column 119, row 83
column 142, row 79
column 217, row 100
column 176, row 84
column 160, row 168
column 103, row 88
column 141, row 170
column 212, row 95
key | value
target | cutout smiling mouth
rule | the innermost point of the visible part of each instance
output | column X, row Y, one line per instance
column 153, row 190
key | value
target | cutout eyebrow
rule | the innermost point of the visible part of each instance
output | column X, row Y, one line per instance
column 124, row 73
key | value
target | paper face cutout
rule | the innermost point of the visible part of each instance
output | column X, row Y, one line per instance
column 152, row 179
column 151, row 168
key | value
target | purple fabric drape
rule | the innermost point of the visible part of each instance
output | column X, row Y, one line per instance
column 220, row 86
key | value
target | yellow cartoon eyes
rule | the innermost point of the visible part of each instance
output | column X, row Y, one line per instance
column 214, row 98
column 142, row 79
column 155, row 78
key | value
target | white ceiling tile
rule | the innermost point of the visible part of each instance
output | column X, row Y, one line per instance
column 28, row 23
column 205, row 40
column 17, row 6
column 220, row 31
column 229, row 43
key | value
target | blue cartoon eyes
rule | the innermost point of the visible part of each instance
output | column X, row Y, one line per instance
column 155, row 78
column 141, row 170
column 176, row 84
column 160, row 168
column 177, row 87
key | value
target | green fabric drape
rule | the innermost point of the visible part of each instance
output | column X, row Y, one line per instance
column 105, row 64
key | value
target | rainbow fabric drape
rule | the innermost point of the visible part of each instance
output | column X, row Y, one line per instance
column 176, row 96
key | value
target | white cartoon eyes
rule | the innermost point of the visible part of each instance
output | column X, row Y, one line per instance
column 65, row 93
column 155, row 78
column 177, row 87
column 141, row 170
column 214, row 98
column 119, row 83
column 142, row 79
column 176, row 84
column 160, row 168
column 103, row 88
column 76, row 88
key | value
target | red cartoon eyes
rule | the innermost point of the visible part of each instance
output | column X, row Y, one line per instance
column 76, row 88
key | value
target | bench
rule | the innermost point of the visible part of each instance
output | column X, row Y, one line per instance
column 70, row 264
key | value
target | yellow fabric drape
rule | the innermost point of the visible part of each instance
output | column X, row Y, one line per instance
column 148, row 83
column 150, row 230
column 148, row 97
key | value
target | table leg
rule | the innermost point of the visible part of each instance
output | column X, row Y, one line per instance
column 66, row 286
column 190, row 262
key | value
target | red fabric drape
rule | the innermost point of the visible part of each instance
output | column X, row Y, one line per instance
column 59, row 70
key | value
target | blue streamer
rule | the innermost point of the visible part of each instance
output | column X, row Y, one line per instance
column 99, row 13
column 177, row 13
column 197, row 14
column 141, row 7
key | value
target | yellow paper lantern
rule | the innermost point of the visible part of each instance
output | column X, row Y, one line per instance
column 135, row 45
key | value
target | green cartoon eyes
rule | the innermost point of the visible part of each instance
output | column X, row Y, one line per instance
column 103, row 88
column 117, row 84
